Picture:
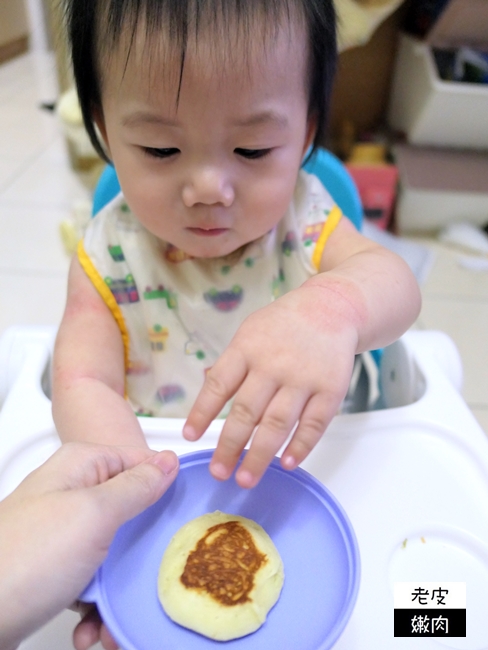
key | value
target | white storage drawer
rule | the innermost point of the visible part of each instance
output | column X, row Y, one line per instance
column 431, row 111
column 440, row 186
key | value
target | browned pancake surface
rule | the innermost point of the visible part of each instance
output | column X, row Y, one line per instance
column 224, row 563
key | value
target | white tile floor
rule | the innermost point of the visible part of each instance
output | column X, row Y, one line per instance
column 38, row 190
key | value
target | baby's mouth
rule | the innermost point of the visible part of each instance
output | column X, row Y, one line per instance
column 208, row 232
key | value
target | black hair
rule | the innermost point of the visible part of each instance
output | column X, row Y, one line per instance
column 95, row 26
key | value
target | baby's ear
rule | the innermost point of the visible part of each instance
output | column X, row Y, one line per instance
column 310, row 134
column 99, row 120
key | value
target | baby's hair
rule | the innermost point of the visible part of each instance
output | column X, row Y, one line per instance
column 95, row 28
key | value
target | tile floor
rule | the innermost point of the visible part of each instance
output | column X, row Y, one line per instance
column 38, row 190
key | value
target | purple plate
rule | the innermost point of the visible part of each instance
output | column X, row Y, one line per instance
column 308, row 526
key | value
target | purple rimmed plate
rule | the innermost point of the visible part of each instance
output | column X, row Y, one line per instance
column 306, row 523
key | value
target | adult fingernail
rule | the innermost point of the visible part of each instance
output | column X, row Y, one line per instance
column 167, row 461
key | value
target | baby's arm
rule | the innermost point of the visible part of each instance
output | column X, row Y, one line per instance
column 88, row 371
column 292, row 360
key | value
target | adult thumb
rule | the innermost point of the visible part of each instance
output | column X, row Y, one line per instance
column 129, row 493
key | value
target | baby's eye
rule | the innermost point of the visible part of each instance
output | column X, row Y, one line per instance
column 160, row 153
column 252, row 154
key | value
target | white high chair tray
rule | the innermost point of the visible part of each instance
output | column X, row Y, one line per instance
column 413, row 481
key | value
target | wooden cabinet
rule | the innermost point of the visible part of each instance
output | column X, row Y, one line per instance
column 14, row 29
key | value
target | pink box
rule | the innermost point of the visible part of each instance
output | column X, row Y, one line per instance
column 377, row 185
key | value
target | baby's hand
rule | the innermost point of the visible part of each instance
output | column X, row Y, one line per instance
column 288, row 362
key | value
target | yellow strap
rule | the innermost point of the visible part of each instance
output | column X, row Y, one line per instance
column 329, row 226
column 107, row 297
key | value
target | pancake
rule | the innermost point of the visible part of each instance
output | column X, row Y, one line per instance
column 220, row 575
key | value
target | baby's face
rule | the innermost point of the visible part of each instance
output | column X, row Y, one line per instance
column 214, row 167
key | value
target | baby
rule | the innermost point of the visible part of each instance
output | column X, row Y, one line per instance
column 223, row 280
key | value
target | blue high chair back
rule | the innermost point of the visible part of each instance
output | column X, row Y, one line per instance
column 327, row 167
column 107, row 188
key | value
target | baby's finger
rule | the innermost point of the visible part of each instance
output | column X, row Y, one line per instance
column 221, row 383
column 314, row 420
column 247, row 410
column 276, row 424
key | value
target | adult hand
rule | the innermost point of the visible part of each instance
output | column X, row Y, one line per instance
column 57, row 526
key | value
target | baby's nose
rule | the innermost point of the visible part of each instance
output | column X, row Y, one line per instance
column 208, row 185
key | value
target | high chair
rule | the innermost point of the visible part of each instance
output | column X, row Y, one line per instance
column 412, row 478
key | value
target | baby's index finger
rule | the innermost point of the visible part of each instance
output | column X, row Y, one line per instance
column 205, row 409
column 199, row 419
column 221, row 383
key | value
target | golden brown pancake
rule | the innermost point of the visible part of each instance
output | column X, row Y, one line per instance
column 220, row 575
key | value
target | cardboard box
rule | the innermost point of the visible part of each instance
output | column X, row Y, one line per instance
column 427, row 109
column 440, row 186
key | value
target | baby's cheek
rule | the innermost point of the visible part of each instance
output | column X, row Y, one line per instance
column 264, row 210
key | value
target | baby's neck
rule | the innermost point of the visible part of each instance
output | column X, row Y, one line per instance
column 176, row 254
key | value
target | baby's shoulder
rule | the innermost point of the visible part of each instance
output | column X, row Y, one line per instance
column 116, row 209
column 310, row 206
column 115, row 217
column 310, row 193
